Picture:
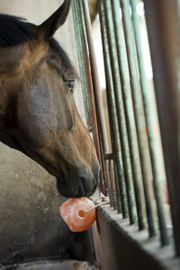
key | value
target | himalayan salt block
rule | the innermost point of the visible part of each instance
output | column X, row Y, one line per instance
column 73, row 213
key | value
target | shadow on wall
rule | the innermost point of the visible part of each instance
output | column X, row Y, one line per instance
column 31, row 225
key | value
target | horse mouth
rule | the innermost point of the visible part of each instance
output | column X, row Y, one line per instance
column 79, row 182
column 75, row 189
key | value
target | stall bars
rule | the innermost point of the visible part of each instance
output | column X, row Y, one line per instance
column 128, row 172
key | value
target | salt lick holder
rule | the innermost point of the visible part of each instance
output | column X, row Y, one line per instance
column 80, row 213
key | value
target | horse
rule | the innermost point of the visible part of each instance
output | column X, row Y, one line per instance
column 38, row 114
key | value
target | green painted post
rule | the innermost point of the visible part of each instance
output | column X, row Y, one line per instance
column 85, row 71
column 129, row 111
column 117, row 153
column 149, row 120
column 139, row 115
column 163, row 24
column 82, row 54
column 122, row 128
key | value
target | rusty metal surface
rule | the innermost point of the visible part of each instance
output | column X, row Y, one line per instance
column 139, row 115
column 117, row 153
column 113, row 184
column 95, row 78
column 97, row 97
column 85, row 71
column 146, row 91
column 163, row 23
column 122, row 125
column 129, row 113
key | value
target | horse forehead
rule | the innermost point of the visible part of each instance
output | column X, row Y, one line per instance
column 18, row 59
column 10, row 57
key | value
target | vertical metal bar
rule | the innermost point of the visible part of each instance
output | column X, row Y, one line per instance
column 118, row 165
column 163, row 23
column 120, row 112
column 97, row 95
column 178, row 6
column 110, row 190
column 149, row 120
column 139, row 114
column 85, row 71
column 129, row 111
column 113, row 188
column 81, row 48
column 103, row 184
column 94, row 70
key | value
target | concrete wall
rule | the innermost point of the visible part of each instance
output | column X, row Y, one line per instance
column 29, row 202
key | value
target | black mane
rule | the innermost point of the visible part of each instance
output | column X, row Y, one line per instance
column 16, row 30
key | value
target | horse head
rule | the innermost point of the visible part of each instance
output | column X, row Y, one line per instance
column 38, row 115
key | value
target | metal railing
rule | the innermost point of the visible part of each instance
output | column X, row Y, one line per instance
column 130, row 175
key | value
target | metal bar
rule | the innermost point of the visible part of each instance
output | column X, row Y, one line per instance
column 85, row 71
column 97, row 94
column 81, row 48
column 120, row 112
column 113, row 183
column 118, row 165
column 178, row 6
column 94, row 70
column 110, row 190
column 103, row 184
column 129, row 112
column 139, row 115
column 163, row 23
column 150, row 120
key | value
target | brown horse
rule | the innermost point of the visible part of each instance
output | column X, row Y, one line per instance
column 38, row 115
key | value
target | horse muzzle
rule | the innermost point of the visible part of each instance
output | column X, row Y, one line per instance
column 81, row 183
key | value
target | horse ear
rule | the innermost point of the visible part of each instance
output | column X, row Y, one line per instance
column 46, row 30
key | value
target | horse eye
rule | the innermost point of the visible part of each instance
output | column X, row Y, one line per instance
column 69, row 85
